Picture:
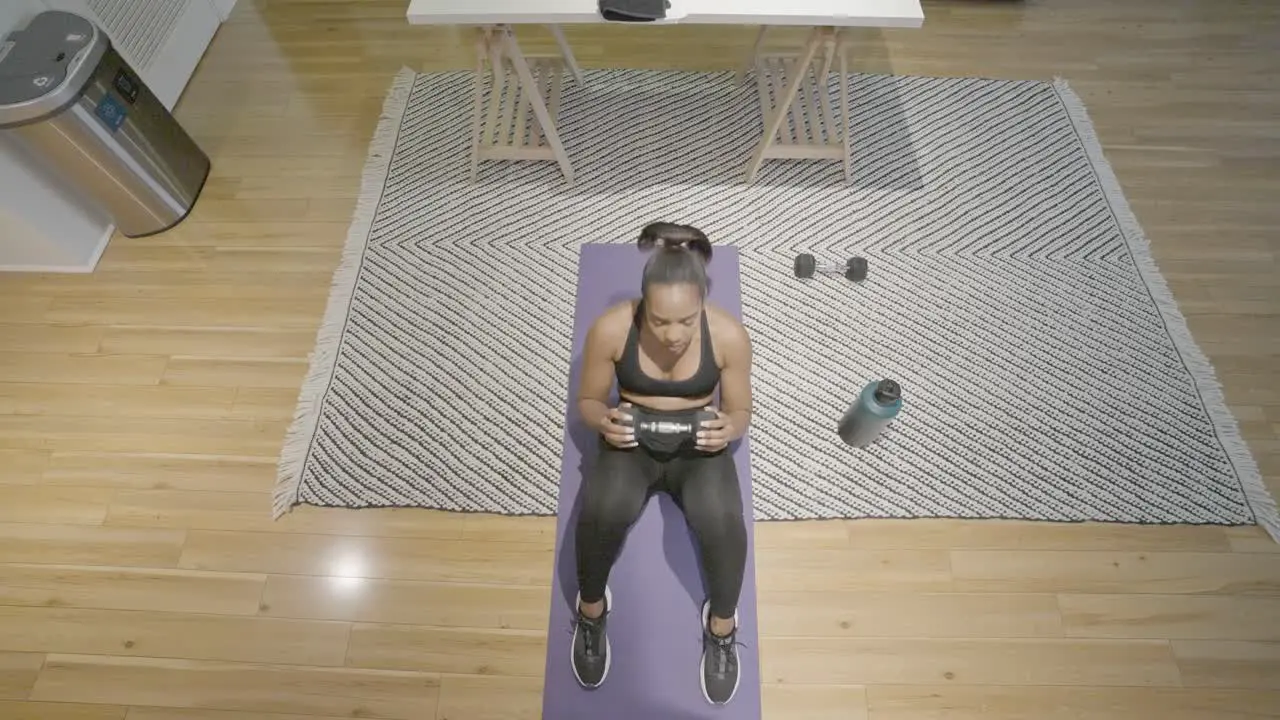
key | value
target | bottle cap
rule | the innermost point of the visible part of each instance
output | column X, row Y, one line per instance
column 888, row 392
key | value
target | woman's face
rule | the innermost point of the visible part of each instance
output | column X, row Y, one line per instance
column 672, row 314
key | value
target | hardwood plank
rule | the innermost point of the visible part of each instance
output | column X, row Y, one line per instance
column 903, row 661
column 193, row 342
column 25, row 309
column 1116, row 572
column 1228, row 664
column 107, row 588
column 16, row 710
column 22, row 467
column 173, row 634
column 153, row 713
column 47, row 339
column 288, row 234
column 1252, row 538
column 474, row 697
column 190, row 436
column 38, row 504
column 1170, row 616
column 499, row 563
column 18, row 673
column 265, row 403
column 463, row 651
column 91, row 369
column 482, row 526
column 114, row 282
column 150, row 401
column 888, row 614
column 285, row 373
column 251, row 512
column 1023, row 535
column 128, row 254
column 407, row 602
column 809, row 534
column 210, row 685
column 245, row 312
column 212, row 473
column 814, row 702
column 1005, row 702
column 90, row 545
column 845, row 569
column 284, row 260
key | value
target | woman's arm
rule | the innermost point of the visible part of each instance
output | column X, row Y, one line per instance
column 735, row 378
column 597, row 370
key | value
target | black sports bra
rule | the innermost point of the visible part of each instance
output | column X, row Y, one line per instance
column 633, row 379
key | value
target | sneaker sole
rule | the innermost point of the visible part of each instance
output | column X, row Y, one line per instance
column 608, row 649
column 702, row 668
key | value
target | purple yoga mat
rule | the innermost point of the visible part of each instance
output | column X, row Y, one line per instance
column 657, row 584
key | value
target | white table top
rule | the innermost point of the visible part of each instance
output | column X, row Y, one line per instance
column 864, row 13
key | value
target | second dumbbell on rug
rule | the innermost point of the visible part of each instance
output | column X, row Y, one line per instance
column 855, row 268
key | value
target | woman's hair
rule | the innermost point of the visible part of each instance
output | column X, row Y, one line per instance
column 681, row 257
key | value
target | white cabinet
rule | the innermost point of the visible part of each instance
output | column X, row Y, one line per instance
column 44, row 224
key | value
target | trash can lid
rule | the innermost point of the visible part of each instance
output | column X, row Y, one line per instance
column 44, row 66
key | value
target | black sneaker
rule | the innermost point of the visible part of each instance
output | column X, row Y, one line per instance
column 590, row 645
column 719, row 661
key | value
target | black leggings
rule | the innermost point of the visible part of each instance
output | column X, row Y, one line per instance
column 703, row 485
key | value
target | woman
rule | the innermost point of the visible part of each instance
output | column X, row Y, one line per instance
column 668, row 350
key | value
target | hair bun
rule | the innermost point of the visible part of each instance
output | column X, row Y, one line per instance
column 674, row 237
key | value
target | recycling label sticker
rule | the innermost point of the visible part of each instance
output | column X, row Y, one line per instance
column 111, row 112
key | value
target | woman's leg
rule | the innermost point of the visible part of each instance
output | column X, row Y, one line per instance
column 706, row 488
column 614, row 494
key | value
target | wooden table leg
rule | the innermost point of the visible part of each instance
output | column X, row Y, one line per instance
column 846, row 110
column 483, row 43
column 755, row 54
column 773, row 121
column 567, row 52
column 536, row 101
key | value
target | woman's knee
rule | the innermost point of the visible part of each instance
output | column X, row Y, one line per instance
column 717, row 524
column 713, row 507
column 615, row 491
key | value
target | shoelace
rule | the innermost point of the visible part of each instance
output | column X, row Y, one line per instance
column 724, row 660
column 592, row 632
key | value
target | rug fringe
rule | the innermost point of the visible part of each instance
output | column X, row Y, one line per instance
column 297, row 442
column 1260, row 500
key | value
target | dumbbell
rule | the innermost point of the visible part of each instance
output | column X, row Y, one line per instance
column 667, row 431
column 855, row 268
column 660, row 425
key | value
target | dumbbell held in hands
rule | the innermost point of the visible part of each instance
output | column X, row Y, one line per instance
column 663, row 431
column 854, row 269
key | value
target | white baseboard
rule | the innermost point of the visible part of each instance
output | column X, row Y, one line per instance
column 89, row 265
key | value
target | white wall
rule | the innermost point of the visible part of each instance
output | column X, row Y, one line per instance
column 223, row 7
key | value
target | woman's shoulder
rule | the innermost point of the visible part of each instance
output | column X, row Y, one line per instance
column 728, row 333
column 614, row 323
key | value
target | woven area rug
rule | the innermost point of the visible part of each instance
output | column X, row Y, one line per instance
column 1047, row 373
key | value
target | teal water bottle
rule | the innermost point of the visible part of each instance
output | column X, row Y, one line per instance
column 871, row 413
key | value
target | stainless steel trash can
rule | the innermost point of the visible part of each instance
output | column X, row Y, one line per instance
column 69, row 97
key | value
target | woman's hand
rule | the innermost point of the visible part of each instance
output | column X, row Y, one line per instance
column 715, row 434
column 616, row 431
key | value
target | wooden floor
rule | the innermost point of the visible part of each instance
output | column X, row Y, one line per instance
column 142, row 408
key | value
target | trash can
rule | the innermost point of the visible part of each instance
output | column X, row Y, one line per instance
column 68, row 96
